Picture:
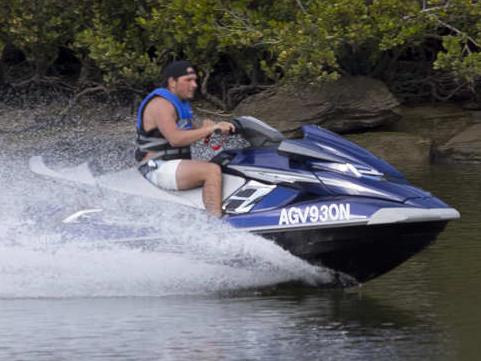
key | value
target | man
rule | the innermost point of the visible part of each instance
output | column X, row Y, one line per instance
column 165, row 132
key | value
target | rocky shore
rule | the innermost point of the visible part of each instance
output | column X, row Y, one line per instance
column 361, row 109
column 365, row 111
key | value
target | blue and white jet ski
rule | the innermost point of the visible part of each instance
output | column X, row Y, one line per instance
column 321, row 197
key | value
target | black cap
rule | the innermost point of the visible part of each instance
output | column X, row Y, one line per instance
column 177, row 68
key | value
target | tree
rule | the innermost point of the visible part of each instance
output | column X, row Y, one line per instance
column 39, row 27
column 332, row 38
column 421, row 48
column 118, row 45
column 459, row 23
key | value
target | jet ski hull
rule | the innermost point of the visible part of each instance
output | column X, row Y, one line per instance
column 362, row 252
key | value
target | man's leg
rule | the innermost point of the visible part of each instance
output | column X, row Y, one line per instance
column 196, row 173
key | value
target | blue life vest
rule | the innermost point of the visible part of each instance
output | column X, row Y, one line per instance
column 153, row 141
column 182, row 107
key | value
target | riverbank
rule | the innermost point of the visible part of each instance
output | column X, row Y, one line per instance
column 424, row 134
column 104, row 132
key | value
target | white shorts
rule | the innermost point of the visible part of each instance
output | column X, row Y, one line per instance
column 162, row 173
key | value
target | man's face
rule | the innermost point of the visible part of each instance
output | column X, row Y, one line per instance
column 184, row 86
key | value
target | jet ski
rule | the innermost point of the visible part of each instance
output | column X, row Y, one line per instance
column 321, row 197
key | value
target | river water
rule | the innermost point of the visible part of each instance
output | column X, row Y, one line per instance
column 209, row 293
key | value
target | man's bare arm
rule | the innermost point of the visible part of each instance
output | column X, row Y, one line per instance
column 162, row 114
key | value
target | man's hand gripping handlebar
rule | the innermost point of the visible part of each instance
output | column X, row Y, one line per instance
column 224, row 128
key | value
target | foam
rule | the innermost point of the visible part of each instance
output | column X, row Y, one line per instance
column 157, row 249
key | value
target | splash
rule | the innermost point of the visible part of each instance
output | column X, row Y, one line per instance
column 133, row 247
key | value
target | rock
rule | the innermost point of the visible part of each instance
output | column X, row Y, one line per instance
column 349, row 104
column 399, row 149
column 472, row 106
column 464, row 147
column 439, row 122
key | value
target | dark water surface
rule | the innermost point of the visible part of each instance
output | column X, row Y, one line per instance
column 442, row 285
column 427, row 309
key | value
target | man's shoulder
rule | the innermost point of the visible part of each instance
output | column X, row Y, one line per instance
column 159, row 103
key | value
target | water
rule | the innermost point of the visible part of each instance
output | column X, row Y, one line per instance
column 286, row 325
column 205, row 292
column 445, row 280
column 159, row 249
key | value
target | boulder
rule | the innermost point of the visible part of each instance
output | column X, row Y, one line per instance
column 439, row 122
column 349, row 104
column 473, row 105
column 464, row 147
column 399, row 149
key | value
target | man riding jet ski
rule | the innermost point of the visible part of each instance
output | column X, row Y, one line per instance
column 165, row 132
column 321, row 197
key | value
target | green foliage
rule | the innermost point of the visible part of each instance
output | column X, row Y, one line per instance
column 329, row 36
column 459, row 60
column 117, row 44
column 206, row 31
column 185, row 28
column 247, row 42
column 397, row 23
column 461, row 55
column 308, row 49
column 40, row 27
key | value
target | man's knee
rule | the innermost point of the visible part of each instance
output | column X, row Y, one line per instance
column 214, row 171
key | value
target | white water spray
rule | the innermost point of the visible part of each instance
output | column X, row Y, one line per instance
column 157, row 249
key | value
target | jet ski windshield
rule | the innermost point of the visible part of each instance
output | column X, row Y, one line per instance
column 256, row 132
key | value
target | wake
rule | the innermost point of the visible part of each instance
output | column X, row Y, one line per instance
column 129, row 246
